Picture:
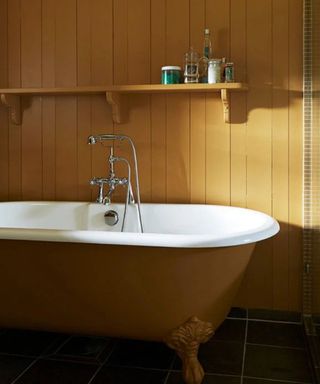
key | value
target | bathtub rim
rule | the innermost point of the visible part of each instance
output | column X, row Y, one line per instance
column 138, row 239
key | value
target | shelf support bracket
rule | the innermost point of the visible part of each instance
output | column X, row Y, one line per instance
column 13, row 103
column 118, row 104
column 226, row 105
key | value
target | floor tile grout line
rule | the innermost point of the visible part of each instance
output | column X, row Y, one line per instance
column 63, row 358
column 216, row 374
column 103, row 349
column 265, row 320
column 170, row 368
column 103, row 364
column 19, row 355
column 236, row 318
column 209, row 373
column 244, row 353
column 167, row 377
column 277, row 380
column 70, row 360
column 142, row 368
column 276, row 321
column 25, row 370
column 312, row 350
column 67, row 357
column 62, row 345
column 277, row 346
column 33, row 362
column 222, row 374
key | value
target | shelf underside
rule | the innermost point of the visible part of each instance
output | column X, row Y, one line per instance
column 116, row 95
column 143, row 88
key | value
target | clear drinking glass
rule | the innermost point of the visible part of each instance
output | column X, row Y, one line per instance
column 191, row 67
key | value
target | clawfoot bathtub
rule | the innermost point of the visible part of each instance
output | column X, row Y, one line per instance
column 63, row 268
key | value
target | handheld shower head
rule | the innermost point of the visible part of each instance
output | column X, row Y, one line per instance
column 93, row 139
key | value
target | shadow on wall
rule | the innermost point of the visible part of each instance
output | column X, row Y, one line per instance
column 273, row 278
column 264, row 97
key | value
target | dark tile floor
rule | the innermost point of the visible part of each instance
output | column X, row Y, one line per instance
column 261, row 347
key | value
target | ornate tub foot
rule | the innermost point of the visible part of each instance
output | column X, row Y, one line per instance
column 185, row 340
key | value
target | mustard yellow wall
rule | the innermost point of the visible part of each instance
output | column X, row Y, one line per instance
column 186, row 152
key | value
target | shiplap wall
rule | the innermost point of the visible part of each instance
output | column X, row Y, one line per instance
column 186, row 152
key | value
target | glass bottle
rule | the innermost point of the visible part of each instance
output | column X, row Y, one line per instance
column 207, row 46
column 207, row 55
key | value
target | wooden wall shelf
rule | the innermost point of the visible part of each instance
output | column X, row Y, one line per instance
column 116, row 95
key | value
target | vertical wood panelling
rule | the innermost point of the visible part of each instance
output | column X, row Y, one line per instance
column 48, row 103
column 120, row 62
column 139, row 72
column 238, row 140
column 158, row 102
column 178, row 119
column 66, row 107
column 186, row 152
column 102, row 73
column 197, row 112
column 14, row 35
column 31, row 131
column 120, row 42
column 102, row 44
column 134, row 46
column 138, row 42
column 84, row 52
column 280, row 148
column 198, row 149
column 4, row 134
column 217, row 131
column 31, row 15
column 259, row 181
column 259, row 59
column 4, row 43
column 14, row 81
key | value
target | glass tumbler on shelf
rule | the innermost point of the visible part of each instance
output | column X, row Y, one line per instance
column 191, row 67
column 214, row 71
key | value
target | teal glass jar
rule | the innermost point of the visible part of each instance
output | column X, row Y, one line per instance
column 170, row 74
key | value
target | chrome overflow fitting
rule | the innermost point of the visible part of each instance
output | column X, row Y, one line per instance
column 111, row 217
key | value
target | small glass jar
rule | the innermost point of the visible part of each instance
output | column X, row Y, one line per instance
column 214, row 71
column 229, row 73
column 170, row 74
column 191, row 67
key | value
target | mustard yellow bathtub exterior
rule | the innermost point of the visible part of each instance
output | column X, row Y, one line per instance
column 124, row 291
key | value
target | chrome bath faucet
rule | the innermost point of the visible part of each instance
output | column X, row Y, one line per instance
column 112, row 181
